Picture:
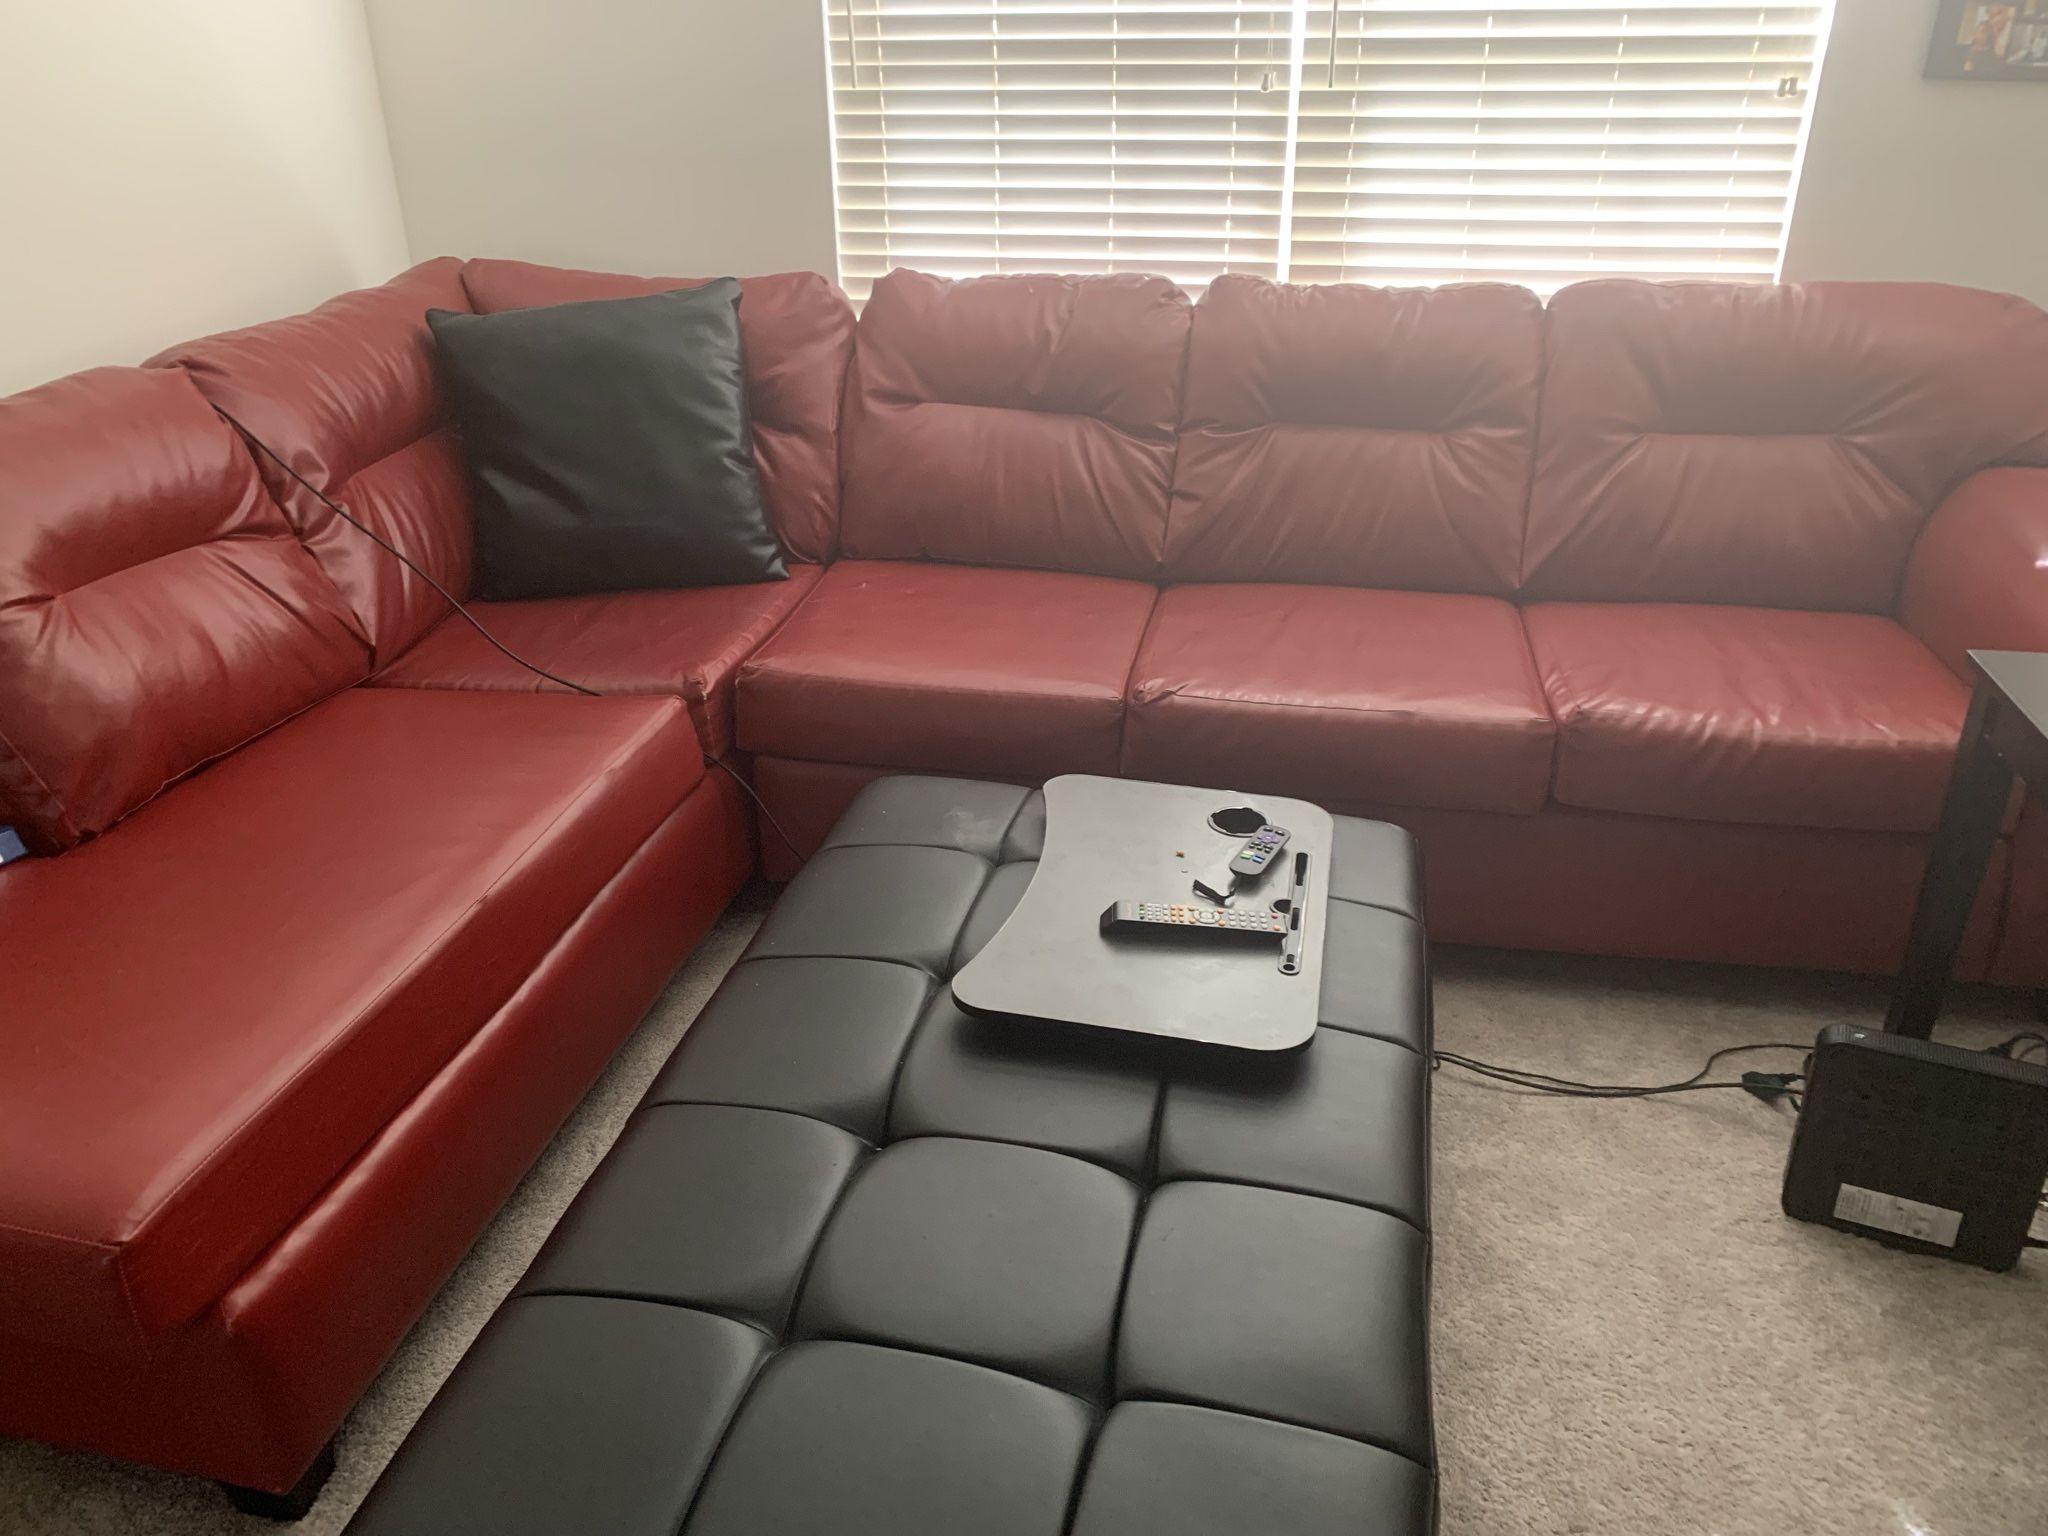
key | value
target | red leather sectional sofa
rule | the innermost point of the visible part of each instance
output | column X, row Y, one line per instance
column 1645, row 610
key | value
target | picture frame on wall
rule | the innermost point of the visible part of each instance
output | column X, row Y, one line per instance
column 1989, row 40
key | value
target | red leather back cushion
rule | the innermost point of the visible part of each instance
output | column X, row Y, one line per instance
column 155, row 608
column 1776, row 446
column 1357, row 436
column 347, row 393
column 1022, row 421
column 797, row 331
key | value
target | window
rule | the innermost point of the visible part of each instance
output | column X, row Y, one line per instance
column 1534, row 141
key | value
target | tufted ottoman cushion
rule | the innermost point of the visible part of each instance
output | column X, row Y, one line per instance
column 863, row 1265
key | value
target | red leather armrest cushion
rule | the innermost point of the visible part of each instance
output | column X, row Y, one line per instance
column 1979, row 575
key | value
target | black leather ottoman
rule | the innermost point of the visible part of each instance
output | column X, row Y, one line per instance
column 862, row 1266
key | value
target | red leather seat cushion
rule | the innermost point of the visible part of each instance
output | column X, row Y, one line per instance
column 1014, row 421
column 1341, row 694
column 348, row 394
column 155, row 609
column 689, row 642
column 797, row 330
column 231, row 997
column 1838, row 720
column 1014, row 673
column 1773, row 445
column 1373, row 437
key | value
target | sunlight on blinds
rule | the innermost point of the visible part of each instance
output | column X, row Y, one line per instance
column 1536, row 141
column 1059, row 135
column 1545, row 141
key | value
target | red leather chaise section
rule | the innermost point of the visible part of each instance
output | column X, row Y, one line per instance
column 155, row 610
column 959, row 668
column 1753, row 715
column 347, row 394
column 263, row 968
column 251, row 1388
column 1338, row 694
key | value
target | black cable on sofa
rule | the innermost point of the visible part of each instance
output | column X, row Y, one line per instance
column 471, row 619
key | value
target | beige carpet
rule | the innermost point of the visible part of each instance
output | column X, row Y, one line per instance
column 1630, row 1340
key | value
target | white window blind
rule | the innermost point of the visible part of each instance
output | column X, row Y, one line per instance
column 1543, row 141
column 1060, row 135
column 1536, row 141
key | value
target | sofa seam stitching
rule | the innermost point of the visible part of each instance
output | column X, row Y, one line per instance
column 113, row 1250
column 1128, row 699
column 1535, row 452
column 1181, row 690
column 59, row 811
column 59, row 1237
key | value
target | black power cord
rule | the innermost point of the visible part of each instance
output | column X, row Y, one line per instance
column 472, row 620
column 1768, row 1086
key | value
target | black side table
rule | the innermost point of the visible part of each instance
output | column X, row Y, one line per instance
column 2005, row 737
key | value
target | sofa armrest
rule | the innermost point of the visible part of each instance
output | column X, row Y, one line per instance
column 1978, row 577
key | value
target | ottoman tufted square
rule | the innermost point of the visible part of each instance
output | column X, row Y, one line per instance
column 861, row 1441
column 1283, row 1306
column 1344, row 1120
column 900, row 904
column 763, row 1181
column 602, row 1416
column 1196, row 1472
column 1006, row 1255
column 819, row 1037
column 1088, row 1095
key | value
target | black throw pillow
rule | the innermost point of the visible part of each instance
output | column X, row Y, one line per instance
column 609, row 444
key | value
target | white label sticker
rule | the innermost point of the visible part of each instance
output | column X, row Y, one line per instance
column 1907, row 1218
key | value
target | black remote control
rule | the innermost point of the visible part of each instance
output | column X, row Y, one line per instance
column 1144, row 919
column 1254, row 858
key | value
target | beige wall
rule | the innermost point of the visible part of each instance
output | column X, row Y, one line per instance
column 177, row 166
column 1913, row 178
column 679, row 137
column 691, row 136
